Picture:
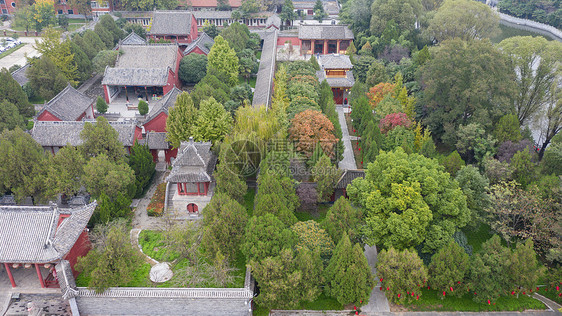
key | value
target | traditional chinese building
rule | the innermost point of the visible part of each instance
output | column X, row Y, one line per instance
column 324, row 39
column 52, row 136
column 132, row 39
column 190, row 181
column 68, row 105
column 39, row 237
column 336, row 70
column 175, row 26
column 202, row 45
column 143, row 71
column 210, row 5
column 20, row 76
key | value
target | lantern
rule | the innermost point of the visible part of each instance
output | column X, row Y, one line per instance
column 488, row 302
column 443, row 293
column 398, row 295
column 451, row 288
column 417, row 297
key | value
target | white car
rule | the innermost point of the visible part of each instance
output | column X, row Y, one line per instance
column 13, row 40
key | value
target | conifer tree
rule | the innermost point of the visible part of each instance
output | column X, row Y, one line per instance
column 448, row 268
column 525, row 271
column 181, row 118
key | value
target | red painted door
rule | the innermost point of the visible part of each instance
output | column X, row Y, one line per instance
column 192, row 208
column 338, row 95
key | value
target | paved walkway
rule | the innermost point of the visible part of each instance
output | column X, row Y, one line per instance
column 548, row 302
column 266, row 71
column 377, row 302
column 141, row 220
column 348, row 161
column 19, row 56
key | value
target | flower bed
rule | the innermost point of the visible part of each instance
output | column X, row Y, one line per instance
column 156, row 205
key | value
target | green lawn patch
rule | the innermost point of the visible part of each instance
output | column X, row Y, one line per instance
column 153, row 245
column 140, row 278
column 11, row 50
column 249, row 201
column 319, row 215
column 431, row 300
column 37, row 100
column 258, row 54
column 507, row 32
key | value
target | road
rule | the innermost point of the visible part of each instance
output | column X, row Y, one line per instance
column 19, row 56
column 348, row 161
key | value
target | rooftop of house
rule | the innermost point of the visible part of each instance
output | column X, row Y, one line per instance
column 59, row 134
column 133, row 39
column 20, row 76
column 195, row 162
column 157, row 140
column 171, row 23
column 334, row 61
column 203, row 42
column 212, row 3
column 325, row 31
column 211, row 14
column 29, row 234
column 348, row 176
column 142, row 65
column 164, row 104
column 337, row 82
column 68, row 105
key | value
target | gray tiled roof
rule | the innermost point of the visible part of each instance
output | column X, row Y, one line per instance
column 266, row 70
column 142, row 65
column 207, row 14
column 157, row 140
column 273, row 20
column 164, row 104
column 68, row 105
column 348, row 176
column 66, row 280
column 194, row 163
column 171, row 23
column 161, row 301
column 325, row 32
column 133, row 39
column 346, row 82
column 334, row 61
column 203, row 41
column 59, row 134
column 30, row 233
column 20, row 76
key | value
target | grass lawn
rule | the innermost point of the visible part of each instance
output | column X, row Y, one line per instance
column 431, row 301
column 140, row 278
column 37, row 100
column 507, row 31
column 11, row 50
column 249, row 201
column 318, row 216
column 258, row 54
column 153, row 246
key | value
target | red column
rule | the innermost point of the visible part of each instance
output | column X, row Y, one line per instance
column 312, row 43
column 7, row 267
column 325, row 47
column 40, row 276
column 338, row 47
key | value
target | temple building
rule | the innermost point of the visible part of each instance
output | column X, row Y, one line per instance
column 175, row 26
column 39, row 237
column 191, row 180
column 336, row 70
column 324, row 39
column 68, row 105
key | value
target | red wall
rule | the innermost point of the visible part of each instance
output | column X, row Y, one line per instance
column 81, row 247
column 157, row 124
column 138, row 134
column 193, row 33
column 47, row 116
column 171, row 153
column 197, row 50
column 294, row 40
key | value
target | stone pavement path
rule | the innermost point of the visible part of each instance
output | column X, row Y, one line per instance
column 549, row 303
column 377, row 302
column 141, row 219
column 348, row 161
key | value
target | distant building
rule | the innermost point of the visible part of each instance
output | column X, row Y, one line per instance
column 306, row 7
column 176, row 26
column 68, row 105
column 191, row 178
column 20, row 76
column 143, row 71
column 100, row 7
column 336, row 70
column 224, row 18
column 132, row 39
column 324, row 39
column 202, row 45
column 52, row 136
column 210, row 5
column 42, row 236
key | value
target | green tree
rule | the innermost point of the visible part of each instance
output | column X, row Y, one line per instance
column 210, row 29
column 229, row 181
column 112, row 261
column 376, row 74
column 45, row 78
column 508, row 129
column 237, row 36
column 310, row 235
column 524, row 269
column 135, row 27
column 211, row 86
column 478, row 90
column 193, row 68
column 110, row 208
column 64, row 172
column 143, row 107
column 101, row 106
column 448, row 269
column 552, row 159
column 319, row 12
column 10, row 117
column 104, row 176
column 403, row 13
column 223, row 226
column 551, row 116
column 265, row 237
column 362, row 66
column 474, row 144
column 463, row 19
column 142, row 163
column 357, row 13
column 90, row 42
column 181, row 119
column 475, row 186
column 342, row 218
column 536, row 61
column 83, row 63
column 401, row 272
column 325, row 175
column 62, row 21
column 103, row 59
column 223, row 59
column 24, row 175
column 489, row 271
column 101, row 138
column 59, row 52
column 277, row 195
column 523, row 169
column 23, row 17
column 348, row 275
column 248, row 7
column 213, row 122
column 109, row 24
column 288, row 13
column 43, row 14
column 105, row 36
column 408, row 200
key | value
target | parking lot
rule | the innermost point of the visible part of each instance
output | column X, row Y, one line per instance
column 19, row 56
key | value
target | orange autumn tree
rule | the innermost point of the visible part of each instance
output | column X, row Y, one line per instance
column 309, row 128
column 378, row 92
